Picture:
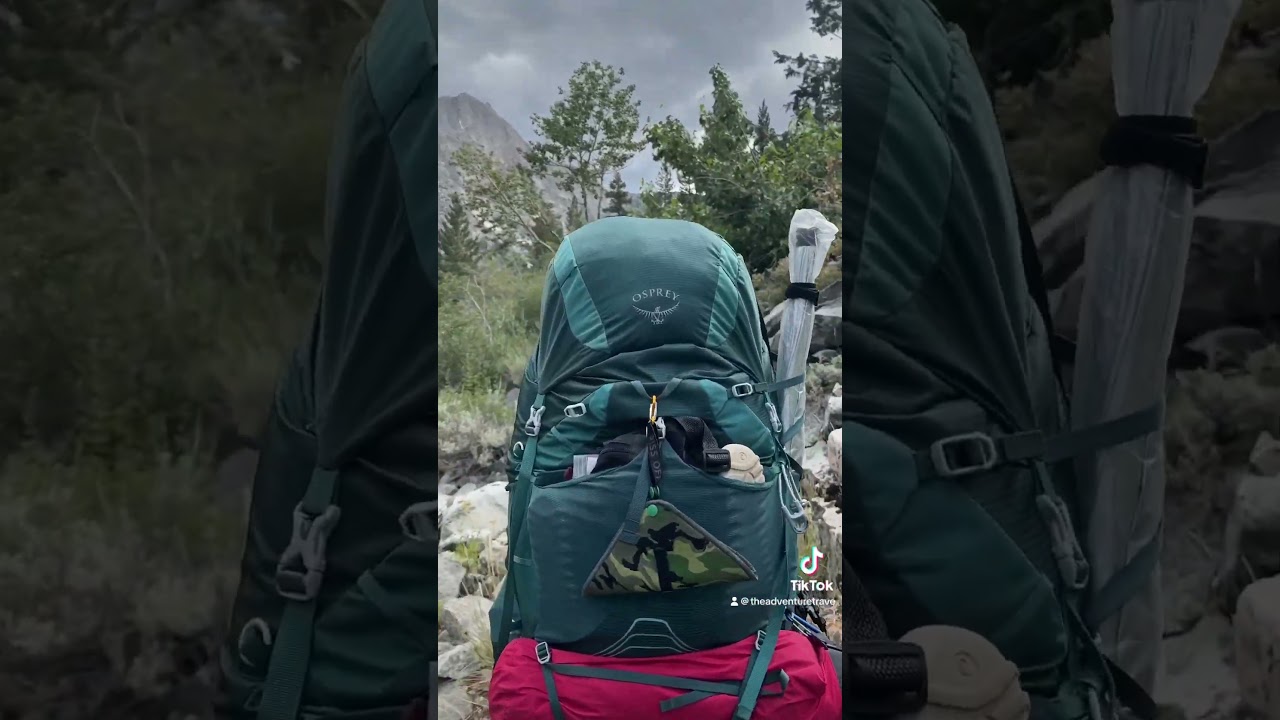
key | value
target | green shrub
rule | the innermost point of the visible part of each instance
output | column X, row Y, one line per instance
column 488, row 325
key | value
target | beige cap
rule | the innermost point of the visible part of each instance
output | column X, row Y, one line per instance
column 968, row 677
column 744, row 464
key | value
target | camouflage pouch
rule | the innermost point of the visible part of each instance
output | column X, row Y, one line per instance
column 671, row 552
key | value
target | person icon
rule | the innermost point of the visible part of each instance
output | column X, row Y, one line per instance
column 733, row 602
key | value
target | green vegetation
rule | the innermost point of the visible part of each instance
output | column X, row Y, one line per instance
column 588, row 133
column 740, row 178
column 161, row 222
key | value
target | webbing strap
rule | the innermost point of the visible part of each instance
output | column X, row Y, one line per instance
column 745, row 389
column 698, row 689
column 549, row 678
column 707, row 687
column 984, row 452
column 778, row 676
column 515, row 530
column 1105, row 434
column 291, row 652
column 1125, row 583
column 758, row 666
column 791, row 432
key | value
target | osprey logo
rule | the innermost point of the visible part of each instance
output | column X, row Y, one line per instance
column 662, row 302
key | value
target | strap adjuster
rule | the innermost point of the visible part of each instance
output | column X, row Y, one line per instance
column 760, row 639
column 575, row 410
column 533, row 425
column 543, row 651
column 301, row 568
column 416, row 522
column 742, row 390
column 964, row 454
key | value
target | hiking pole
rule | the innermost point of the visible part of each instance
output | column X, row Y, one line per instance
column 809, row 240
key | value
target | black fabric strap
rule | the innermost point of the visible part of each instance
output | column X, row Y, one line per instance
column 1166, row 142
column 1125, row 583
column 983, row 452
column 803, row 291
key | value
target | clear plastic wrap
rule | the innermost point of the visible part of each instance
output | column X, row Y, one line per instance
column 1163, row 57
column 809, row 240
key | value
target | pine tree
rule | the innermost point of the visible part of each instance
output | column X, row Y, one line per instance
column 618, row 196
column 666, row 184
column 458, row 247
column 764, row 128
column 573, row 218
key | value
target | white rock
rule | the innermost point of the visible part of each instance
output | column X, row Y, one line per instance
column 835, row 453
column 453, row 703
column 466, row 619
column 815, row 464
column 449, row 574
column 1265, row 457
column 835, row 406
column 459, row 663
column 1257, row 657
column 1196, row 676
column 829, row 523
column 1255, row 509
column 479, row 514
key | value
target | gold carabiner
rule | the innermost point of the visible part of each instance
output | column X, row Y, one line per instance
column 653, row 409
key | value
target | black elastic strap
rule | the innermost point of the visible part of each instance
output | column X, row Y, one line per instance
column 803, row 291
column 884, row 678
column 1163, row 141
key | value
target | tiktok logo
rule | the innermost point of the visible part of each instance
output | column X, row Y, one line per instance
column 809, row 563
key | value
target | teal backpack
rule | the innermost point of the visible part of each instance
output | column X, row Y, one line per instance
column 333, row 615
column 649, row 328
column 960, row 493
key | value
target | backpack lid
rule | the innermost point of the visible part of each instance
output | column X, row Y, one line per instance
column 940, row 302
column 370, row 355
column 625, row 284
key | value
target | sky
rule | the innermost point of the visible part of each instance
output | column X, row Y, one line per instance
column 513, row 54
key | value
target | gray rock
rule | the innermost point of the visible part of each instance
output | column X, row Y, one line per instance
column 474, row 514
column 1265, row 457
column 466, row 619
column 459, row 662
column 449, row 576
column 452, row 701
column 466, row 120
column 1257, row 647
column 1228, row 347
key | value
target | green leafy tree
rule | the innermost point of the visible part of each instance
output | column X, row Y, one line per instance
column 618, row 196
column 763, row 127
column 549, row 231
column 505, row 200
column 458, row 247
column 747, row 197
column 589, row 132
column 819, row 88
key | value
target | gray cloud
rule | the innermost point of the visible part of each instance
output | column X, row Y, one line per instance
column 513, row 54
